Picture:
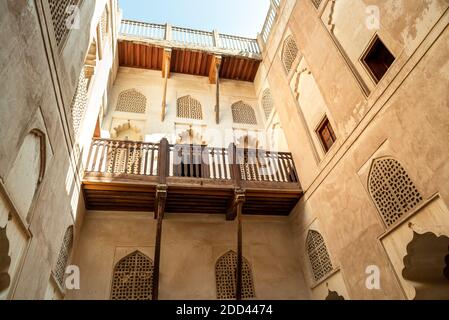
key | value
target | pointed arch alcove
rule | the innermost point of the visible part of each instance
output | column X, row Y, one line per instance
column 319, row 258
column 132, row 278
column 289, row 53
column 226, row 279
column 392, row 190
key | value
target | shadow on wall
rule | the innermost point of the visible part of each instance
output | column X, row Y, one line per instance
column 333, row 295
column 426, row 266
column 5, row 260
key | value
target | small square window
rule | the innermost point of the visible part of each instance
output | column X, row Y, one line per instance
column 378, row 59
column 326, row 134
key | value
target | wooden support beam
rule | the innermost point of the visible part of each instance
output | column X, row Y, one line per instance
column 166, row 62
column 161, row 197
column 239, row 199
column 166, row 65
column 214, row 69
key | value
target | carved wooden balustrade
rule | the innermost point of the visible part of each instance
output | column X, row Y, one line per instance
column 116, row 158
column 189, row 37
column 270, row 20
column 129, row 175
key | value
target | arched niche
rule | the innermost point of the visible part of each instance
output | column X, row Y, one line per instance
column 127, row 131
column 190, row 136
column 426, row 265
column 28, row 171
column 226, row 279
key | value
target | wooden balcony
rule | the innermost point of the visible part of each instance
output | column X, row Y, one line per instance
column 126, row 175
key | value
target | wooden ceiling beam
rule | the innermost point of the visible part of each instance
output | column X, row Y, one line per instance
column 166, row 63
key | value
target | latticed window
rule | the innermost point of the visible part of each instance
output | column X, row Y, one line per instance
column 131, row 101
column 316, row 3
column 79, row 102
column 392, row 190
column 64, row 254
column 243, row 113
column 320, row 260
column 188, row 107
column 226, row 277
column 267, row 103
column 133, row 278
column 289, row 53
column 104, row 23
column 62, row 14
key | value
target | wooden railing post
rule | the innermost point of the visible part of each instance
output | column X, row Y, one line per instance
column 234, row 166
column 217, row 40
column 168, row 32
column 163, row 161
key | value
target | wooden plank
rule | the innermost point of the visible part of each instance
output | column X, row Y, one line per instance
column 185, row 62
column 198, row 64
column 117, row 208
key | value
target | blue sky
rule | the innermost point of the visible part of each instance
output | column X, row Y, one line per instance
column 236, row 17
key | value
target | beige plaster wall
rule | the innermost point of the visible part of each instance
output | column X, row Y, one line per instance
column 402, row 117
column 191, row 245
column 38, row 85
column 150, row 83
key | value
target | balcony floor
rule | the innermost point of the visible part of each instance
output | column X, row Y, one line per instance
column 187, row 195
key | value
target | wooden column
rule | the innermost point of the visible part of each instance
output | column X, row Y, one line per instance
column 166, row 65
column 238, row 294
column 161, row 197
column 236, row 210
column 160, row 200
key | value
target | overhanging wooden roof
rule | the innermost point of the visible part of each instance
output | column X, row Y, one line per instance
column 142, row 45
